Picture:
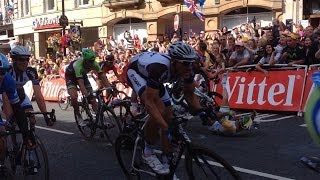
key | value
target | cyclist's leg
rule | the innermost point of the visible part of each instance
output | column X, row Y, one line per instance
column 92, row 100
column 73, row 92
column 151, row 128
column 167, row 113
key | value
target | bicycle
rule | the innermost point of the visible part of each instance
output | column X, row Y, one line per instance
column 24, row 162
column 129, row 146
column 105, row 119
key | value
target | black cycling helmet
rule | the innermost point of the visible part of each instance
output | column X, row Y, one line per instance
column 109, row 58
column 183, row 52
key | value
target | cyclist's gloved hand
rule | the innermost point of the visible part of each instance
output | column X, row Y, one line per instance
column 207, row 116
column 48, row 120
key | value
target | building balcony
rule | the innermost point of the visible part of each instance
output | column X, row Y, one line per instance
column 122, row 4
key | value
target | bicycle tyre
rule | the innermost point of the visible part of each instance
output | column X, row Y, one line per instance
column 89, row 130
column 38, row 153
column 110, row 124
column 63, row 101
column 124, row 146
column 215, row 165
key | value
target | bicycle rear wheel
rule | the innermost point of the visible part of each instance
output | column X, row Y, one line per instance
column 35, row 164
column 63, row 99
column 124, row 146
column 202, row 163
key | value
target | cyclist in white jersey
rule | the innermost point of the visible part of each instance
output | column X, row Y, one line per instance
column 146, row 74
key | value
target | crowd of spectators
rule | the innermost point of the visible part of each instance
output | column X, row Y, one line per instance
column 219, row 49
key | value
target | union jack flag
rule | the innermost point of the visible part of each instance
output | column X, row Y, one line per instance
column 194, row 9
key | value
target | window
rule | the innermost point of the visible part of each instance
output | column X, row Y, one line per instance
column 25, row 8
column 217, row 1
column 82, row 2
column 49, row 5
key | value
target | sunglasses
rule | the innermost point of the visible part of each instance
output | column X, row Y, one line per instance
column 184, row 63
column 23, row 59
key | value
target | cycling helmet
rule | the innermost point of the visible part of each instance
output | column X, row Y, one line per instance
column 20, row 51
column 4, row 63
column 181, row 51
column 109, row 58
column 88, row 55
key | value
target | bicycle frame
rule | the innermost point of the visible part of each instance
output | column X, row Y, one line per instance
column 183, row 145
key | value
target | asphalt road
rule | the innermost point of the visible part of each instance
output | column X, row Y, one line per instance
column 270, row 152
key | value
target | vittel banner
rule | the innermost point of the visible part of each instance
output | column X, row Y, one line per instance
column 281, row 91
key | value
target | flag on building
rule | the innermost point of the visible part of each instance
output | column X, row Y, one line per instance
column 194, row 9
column 201, row 3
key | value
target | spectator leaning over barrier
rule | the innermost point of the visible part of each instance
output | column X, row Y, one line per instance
column 240, row 56
column 219, row 65
column 293, row 53
column 279, row 48
column 268, row 58
column 231, row 41
column 310, row 49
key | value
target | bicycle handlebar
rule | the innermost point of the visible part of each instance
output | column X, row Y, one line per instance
column 51, row 114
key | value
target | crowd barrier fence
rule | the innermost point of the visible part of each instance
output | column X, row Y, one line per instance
column 286, row 89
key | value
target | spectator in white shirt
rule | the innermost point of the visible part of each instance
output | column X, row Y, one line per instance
column 240, row 56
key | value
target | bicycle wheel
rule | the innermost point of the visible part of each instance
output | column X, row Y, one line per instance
column 63, row 99
column 110, row 124
column 202, row 163
column 35, row 164
column 89, row 130
column 124, row 146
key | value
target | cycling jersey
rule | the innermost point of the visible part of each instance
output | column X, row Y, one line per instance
column 22, row 78
column 8, row 85
column 76, row 70
column 150, row 69
column 106, row 67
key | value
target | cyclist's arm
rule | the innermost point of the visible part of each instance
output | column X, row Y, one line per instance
column 33, row 76
column 82, row 87
column 101, row 75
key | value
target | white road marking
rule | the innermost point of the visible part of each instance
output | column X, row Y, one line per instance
column 243, row 170
column 272, row 120
column 54, row 130
column 265, row 115
column 303, row 125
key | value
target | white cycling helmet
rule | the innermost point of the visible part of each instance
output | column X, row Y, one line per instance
column 20, row 52
column 183, row 52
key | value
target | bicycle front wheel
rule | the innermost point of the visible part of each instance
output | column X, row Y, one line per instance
column 63, row 99
column 110, row 124
column 89, row 130
column 124, row 146
column 202, row 163
column 35, row 164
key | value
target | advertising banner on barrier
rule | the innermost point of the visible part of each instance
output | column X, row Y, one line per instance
column 308, row 88
column 281, row 91
column 50, row 88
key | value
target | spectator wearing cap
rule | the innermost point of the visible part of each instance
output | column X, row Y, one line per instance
column 293, row 53
column 240, row 56
column 235, row 32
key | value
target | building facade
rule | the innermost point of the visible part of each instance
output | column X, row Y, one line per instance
column 155, row 18
column 35, row 22
column 150, row 19
column 6, row 26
